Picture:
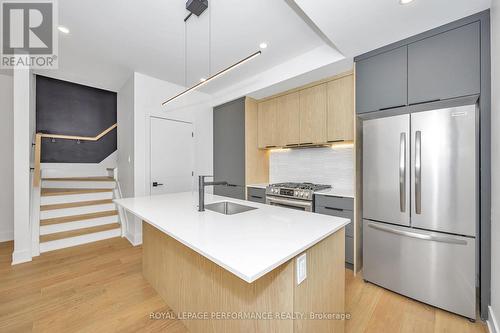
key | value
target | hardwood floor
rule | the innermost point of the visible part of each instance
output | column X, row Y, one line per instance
column 99, row 287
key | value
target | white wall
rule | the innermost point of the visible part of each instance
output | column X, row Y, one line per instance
column 7, row 153
column 138, row 100
column 330, row 166
column 495, row 167
column 22, row 148
column 125, row 147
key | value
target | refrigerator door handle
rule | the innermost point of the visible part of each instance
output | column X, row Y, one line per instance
column 418, row 172
column 402, row 172
column 441, row 239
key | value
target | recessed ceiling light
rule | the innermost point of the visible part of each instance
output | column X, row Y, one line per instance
column 263, row 45
column 405, row 2
column 63, row 29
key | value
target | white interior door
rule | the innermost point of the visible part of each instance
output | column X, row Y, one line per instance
column 172, row 156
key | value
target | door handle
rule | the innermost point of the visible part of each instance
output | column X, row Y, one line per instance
column 156, row 184
column 418, row 172
column 402, row 172
column 441, row 239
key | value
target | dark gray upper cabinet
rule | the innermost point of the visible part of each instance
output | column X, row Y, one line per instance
column 229, row 148
column 381, row 81
column 446, row 65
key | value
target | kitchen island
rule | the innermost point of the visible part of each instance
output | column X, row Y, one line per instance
column 238, row 273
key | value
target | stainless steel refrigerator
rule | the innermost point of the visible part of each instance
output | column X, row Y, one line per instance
column 420, row 206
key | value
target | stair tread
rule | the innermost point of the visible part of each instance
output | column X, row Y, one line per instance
column 75, row 204
column 78, row 232
column 80, row 217
column 83, row 179
column 67, row 191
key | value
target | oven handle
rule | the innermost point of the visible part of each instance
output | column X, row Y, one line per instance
column 290, row 202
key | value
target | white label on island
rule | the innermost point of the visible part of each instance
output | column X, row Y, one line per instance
column 301, row 267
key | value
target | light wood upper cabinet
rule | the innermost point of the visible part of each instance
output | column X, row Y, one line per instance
column 313, row 114
column 289, row 119
column 340, row 109
column 268, row 124
column 319, row 113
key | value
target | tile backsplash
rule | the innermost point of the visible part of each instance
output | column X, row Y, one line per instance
column 332, row 166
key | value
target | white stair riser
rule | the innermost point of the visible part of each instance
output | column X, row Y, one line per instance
column 77, row 184
column 68, row 226
column 79, row 240
column 75, row 172
column 48, row 214
column 60, row 199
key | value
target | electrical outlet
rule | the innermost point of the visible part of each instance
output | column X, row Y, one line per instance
column 301, row 268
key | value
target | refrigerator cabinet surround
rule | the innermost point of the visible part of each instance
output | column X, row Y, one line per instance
column 443, row 172
column 434, row 268
column 386, row 177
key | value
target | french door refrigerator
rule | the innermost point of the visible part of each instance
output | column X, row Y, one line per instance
column 420, row 206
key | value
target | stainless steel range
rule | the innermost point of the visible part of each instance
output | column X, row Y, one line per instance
column 293, row 195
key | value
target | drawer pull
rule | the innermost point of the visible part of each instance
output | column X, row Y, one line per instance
column 335, row 209
column 256, row 197
column 441, row 239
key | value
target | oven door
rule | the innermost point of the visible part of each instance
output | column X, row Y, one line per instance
column 290, row 203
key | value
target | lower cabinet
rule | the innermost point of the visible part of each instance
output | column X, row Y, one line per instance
column 256, row 194
column 340, row 207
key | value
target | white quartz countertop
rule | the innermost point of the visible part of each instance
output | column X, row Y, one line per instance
column 248, row 244
column 336, row 192
column 263, row 185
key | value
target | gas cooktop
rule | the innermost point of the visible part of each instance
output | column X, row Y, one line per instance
column 302, row 191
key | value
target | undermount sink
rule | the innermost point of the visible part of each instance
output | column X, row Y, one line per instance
column 228, row 208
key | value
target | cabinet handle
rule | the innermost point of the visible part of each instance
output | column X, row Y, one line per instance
column 270, row 146
column 429, row 101
column 329, row 141
column 291, row 144
column 256, row 197
column 306, row 143
column 392, row 107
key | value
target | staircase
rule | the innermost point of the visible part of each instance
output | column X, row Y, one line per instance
column 77, row 210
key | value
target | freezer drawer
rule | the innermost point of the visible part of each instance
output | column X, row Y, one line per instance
column 431, row 267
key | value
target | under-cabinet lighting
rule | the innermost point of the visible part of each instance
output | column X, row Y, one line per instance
column 263, row 45
column 405, row 2
column 342, row 144
column 279, row 150
column 222, row 72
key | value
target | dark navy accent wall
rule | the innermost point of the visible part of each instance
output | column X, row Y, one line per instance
column 72, row 109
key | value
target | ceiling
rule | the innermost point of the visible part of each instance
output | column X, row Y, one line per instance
column 117, row 37
column 111, row 39
column 359, row 26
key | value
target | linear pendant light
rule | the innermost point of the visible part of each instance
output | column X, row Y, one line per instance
column 222, row 72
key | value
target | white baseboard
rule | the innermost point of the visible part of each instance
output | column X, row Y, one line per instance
column 133, row 239
column 19, row 257
column 492, row 322
column 6, row 236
